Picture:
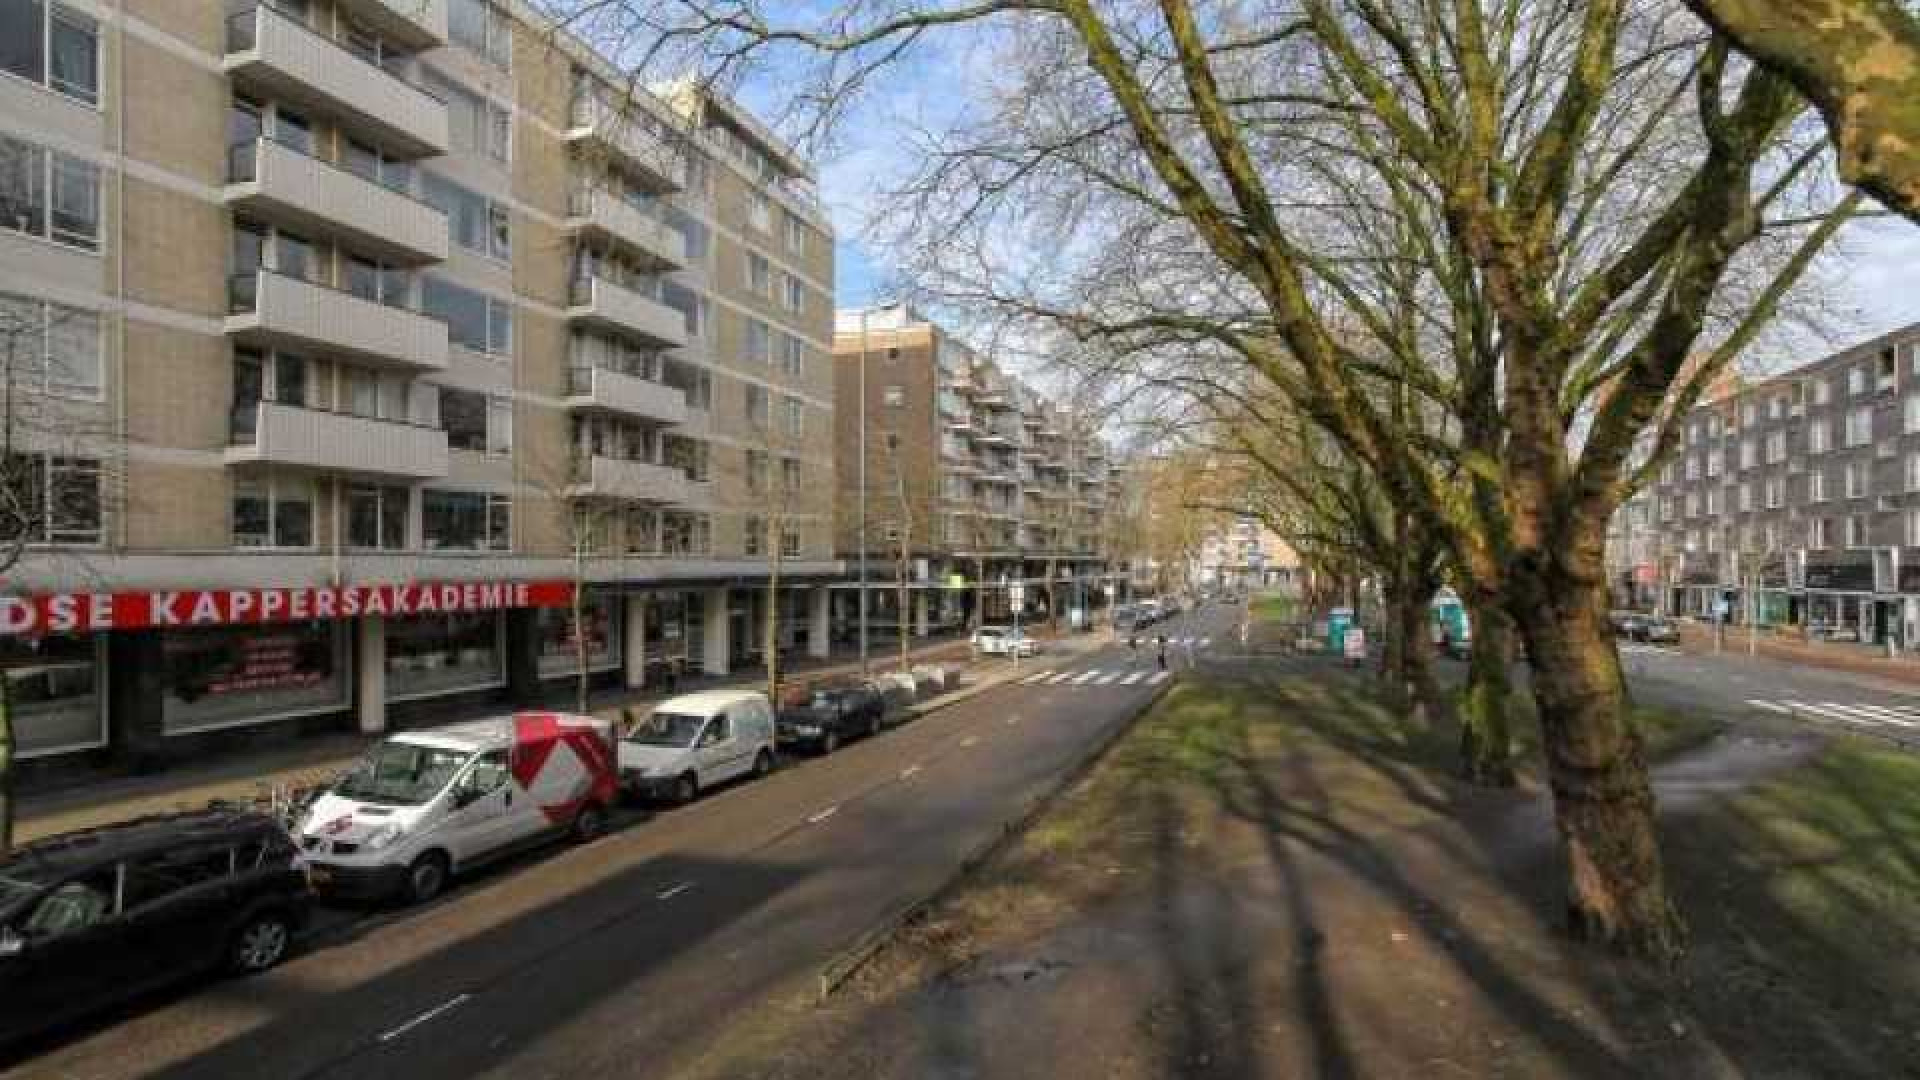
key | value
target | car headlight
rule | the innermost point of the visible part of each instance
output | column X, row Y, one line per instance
column 807, row 729
column 382, row 837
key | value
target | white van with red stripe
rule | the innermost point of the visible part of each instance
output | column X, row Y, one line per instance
column 425, row 805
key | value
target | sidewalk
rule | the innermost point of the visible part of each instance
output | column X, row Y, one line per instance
column 315, row 760
column 1787, row 647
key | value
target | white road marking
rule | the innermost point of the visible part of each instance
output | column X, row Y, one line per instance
column 1060, row 678
column 1205, row 641
column 1770, row 706
column 1012, row 720
column 1888, row 715
column 425, row 1016
column 908, row 772
column 668, row 894
column 1106, row 678
column 823, row 815
column 1814, row 711
column 1081, row 679
column 969, row 740
column 1133, row 678
column 1159, row 677
column 1034, row 678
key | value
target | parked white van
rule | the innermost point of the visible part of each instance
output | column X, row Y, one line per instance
column 696, row 741
column 424, row 805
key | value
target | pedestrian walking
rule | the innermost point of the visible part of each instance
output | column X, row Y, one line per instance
column 1163, row 652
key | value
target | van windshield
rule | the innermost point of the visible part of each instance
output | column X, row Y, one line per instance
column 403, row 774
column 668, row 729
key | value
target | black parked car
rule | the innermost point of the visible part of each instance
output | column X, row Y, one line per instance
column 832, row 715
column 93, row 917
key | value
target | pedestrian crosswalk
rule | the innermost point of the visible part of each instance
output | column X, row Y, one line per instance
column 1095, row 677
column 1635, row 648
column 1842, row 712
column 1181, row 642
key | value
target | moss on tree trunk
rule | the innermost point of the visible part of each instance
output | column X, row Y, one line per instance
column 1486, row 703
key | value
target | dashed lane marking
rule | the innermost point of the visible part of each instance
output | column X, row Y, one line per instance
column 823, row 815
column 438, row 1010
column 668, row 894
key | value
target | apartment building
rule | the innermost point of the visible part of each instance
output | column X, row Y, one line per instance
column 1245, row 553
column 1792, row 500
column 352, row 335
column 997, row 496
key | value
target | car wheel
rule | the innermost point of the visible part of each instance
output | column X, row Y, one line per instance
column 263, row 941
column 686, row 789
column 426, row 878
column 829, row 742
column 762, row 763
column 589, row 823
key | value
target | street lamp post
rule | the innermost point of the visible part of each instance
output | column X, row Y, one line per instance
column 863, row 493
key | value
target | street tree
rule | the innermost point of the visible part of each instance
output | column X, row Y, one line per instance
column 1589, row 203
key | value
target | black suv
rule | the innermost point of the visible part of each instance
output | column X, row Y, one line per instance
column 833, row 714
column 90, row 918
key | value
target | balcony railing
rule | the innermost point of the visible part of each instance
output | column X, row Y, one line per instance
column 415, row 24
column 282, row 56
column 611, row 391
column 599, row 476
column 599, row 302
column 627, row 227
column 269, row 432
column 286, row 185
column 642, row 153
column 270, row 308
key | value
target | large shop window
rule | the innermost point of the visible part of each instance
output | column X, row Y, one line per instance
column 600, row 617
column 231, row 675
column 56, row 683
column 444, row 654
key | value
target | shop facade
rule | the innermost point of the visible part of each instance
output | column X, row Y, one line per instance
column 144, row 679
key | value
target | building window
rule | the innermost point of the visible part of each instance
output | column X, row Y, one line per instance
column 1749, row 414
column 55, row 349
column 1747, row 453
column 759, row 274
column 1776, row 447
column 474, row 221
column 465, row 521
column 793, row 355
column 753, row 537
column 483, row 28
column 474, row 320
column 759, row 406
column 1819, row 532
column 759, row 343
column 1817, row 436
column 1746, row 496
column 1817, row 486
column 273, row 511
column 477, row 422
column 377, row 517
column 1913, row 528
column 1714, row 460
column 789, row 543
column 59, row 500
column 52, row 45
column 1860, row 425
column 795, row 413
column 796, row 233
column 1856, row 531
column 759, row 210
column 796, row 294
column 474, row 124
column 790, row 475
column 1773, row 493
column 1856, row 380
column 499, row 424
column 48, row 194
column 1857, row 480
column 757, row 466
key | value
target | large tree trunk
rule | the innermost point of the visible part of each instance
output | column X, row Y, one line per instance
column 1597, row 769
column 1486, row 703
column 1412, row 634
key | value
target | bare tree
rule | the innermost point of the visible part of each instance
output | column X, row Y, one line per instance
column 1594, row 214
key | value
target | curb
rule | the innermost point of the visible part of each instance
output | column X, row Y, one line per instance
column 850, row 959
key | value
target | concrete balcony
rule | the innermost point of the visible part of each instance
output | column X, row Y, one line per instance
column 596, row 126
column 277, row 311
column 415, row 24
column 615, row 478
column 282, row 185
column 599, row 303
column 296, row 437
column 278, row 56
column 606, row 217
column 599, row 390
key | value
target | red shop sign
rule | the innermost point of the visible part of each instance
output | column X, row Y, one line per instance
column 59, row 613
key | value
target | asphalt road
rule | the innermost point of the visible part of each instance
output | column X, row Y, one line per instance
column 1757, row 688
column 634, row 954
